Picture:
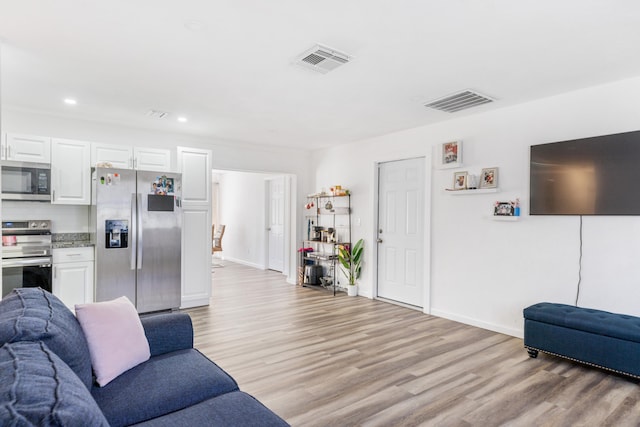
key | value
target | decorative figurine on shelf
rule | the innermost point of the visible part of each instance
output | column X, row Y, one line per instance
column 516, row 207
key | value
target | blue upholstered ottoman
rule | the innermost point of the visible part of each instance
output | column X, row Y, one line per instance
column 599, row 338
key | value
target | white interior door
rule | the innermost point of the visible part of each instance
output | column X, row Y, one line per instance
column 276, row 224
column 401, row 190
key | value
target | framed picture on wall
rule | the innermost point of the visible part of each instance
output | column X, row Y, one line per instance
column 460, row 181
column 450, row 155
column 489, row 178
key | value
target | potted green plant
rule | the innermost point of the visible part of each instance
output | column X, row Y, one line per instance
column 351, row 263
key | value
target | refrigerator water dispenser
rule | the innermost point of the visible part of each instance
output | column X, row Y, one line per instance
column 116, row 233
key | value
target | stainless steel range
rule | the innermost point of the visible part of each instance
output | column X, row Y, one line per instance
column 26, row 255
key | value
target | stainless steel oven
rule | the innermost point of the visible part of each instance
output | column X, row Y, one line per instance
column 26, row 181
column 26, row 255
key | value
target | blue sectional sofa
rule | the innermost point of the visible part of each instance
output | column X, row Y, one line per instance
column 46, row 375
column 595, row 337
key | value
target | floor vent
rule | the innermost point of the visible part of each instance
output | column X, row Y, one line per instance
column 322, row 59
column 459, row 101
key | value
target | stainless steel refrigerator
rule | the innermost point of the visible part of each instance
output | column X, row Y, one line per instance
column 137, row 230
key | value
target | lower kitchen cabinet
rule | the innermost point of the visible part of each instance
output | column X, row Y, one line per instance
column 73, row 275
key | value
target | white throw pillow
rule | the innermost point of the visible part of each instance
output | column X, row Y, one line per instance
column 115, row 336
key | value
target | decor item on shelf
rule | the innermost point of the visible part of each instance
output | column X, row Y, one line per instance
column 328, row 206
column 351, row 262
column 503, row 209
column 316, row 235
column 337, row 190
column 460, row 180
column 489, row 178
column 472, row 182
column 451, row 154
column 331, row 235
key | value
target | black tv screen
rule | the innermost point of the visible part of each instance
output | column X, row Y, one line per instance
column 589, row 176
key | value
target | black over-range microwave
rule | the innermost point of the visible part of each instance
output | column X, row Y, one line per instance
column 26, row 181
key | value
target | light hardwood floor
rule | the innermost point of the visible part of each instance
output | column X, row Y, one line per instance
column 320, row 360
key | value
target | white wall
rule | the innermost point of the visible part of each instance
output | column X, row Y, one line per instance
column 64, row 218
column 484, row 272
column 242, row 201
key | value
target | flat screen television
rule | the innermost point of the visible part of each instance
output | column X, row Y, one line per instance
column 589, row 176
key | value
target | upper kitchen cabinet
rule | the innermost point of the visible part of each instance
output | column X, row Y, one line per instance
column 70, row 172
column 125, row 157
column 152, row 159
column 120, row 156
column 26, row 148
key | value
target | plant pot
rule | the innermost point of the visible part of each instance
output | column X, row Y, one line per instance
column 352, row 290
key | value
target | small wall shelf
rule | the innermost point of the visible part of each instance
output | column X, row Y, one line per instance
column 471, row 192
column 505, row 218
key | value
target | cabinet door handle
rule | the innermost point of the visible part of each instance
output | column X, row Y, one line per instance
column 55, row 272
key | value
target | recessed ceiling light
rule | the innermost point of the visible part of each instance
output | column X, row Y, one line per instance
column 182, row 119
column 70, row 101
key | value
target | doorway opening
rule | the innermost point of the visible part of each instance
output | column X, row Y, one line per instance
column 257, row 210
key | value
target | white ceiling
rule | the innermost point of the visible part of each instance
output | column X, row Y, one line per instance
column 234, row 77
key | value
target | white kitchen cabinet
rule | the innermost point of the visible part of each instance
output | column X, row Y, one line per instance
column 120, row 156
column 73, row 275
column 195, row 165
column 125, row 157
column 26, row 148
column 70, row 172
column 152, row 159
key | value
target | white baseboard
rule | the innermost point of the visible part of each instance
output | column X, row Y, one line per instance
column 194, row 302
column 247, row 263
column 514, row 332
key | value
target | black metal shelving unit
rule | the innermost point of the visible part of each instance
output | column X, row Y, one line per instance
column 328, row 213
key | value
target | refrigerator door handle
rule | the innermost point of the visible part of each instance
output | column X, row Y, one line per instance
column 134, row 231
column 139, row 231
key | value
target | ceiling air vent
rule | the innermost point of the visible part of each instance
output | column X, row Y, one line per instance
column 322, row 59
column 459, row 101
column 157, row 114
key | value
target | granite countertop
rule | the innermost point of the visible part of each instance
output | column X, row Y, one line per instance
column 70, row 240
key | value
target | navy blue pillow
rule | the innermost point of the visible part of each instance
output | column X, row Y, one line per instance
column 38, row 388
column 33, row 314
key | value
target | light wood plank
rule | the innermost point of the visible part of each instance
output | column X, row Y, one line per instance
column 320, row 360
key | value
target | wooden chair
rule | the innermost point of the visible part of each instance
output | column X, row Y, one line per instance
column 216, row 236
column 213, row 233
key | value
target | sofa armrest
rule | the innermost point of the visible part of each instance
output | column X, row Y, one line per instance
column 168, row 332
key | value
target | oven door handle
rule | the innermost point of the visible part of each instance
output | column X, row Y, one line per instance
column 26, row 262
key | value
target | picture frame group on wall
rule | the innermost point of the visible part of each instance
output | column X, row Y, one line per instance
column 450, row 155
column 489, row 178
